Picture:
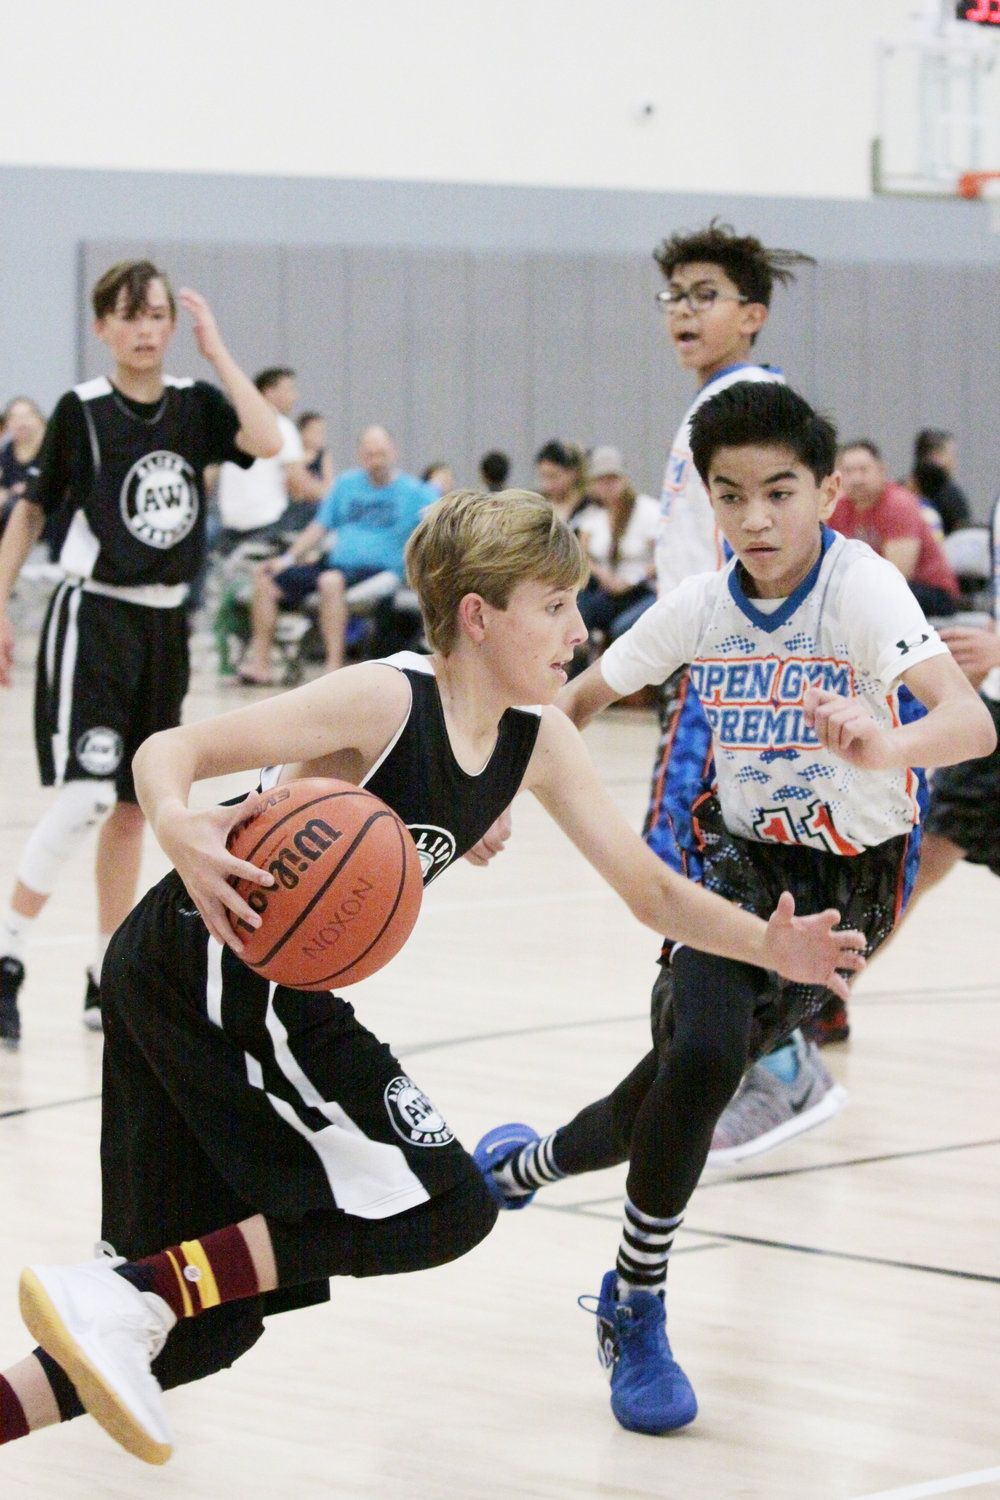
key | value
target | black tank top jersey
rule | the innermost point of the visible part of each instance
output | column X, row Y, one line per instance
column 132, row 474
column 446, row 809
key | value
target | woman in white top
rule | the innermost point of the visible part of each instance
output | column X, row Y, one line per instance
column 618, row 530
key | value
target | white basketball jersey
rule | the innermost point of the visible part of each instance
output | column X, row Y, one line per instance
column 688, row 540
column 852, row 626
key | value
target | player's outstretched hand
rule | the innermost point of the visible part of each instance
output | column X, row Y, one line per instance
column 492, row 841
column 845, row 726
column 206, row 330
column 6, row 650
column 195, row 842
column 808, row 950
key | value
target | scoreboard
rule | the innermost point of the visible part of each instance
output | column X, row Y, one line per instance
column 983, row 12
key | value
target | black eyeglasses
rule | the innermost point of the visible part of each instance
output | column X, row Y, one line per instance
column 698, row 298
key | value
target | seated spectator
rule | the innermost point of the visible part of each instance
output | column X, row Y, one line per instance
column 618, row 530
column 440, row 476
column 561, row 478
column 318, row 464
column 888, row 517
column 494, row 468
column 932, row 480
column 253, row 502
column 371, row 510
column 23, row 430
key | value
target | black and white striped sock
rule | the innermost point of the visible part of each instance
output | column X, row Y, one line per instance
column 528, row 1169
column 644, row 1251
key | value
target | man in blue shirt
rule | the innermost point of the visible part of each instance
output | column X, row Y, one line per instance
column 364, row 522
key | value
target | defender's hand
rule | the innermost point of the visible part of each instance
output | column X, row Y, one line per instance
column 195, row 842
column 808, row 950
column 492, row 841
column 845, row 726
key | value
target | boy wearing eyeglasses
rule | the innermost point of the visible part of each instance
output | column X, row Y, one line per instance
column 716, row 301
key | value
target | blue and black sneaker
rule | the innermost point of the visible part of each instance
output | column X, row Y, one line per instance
column 649, row 1390
column 496, row 1147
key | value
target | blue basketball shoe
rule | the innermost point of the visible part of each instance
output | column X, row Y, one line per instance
column 649, row 1390
column 496, row 1147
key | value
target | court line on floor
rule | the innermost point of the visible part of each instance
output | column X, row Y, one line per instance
column 31, row 1109
column 586, row 1211
column 950, row 1486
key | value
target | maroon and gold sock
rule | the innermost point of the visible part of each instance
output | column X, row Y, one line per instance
column 197, row 1274
column 13, row 1422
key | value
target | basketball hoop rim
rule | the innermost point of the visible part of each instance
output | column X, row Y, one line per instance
column 979, row 184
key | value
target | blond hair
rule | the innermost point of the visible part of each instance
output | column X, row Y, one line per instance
column 470, row 542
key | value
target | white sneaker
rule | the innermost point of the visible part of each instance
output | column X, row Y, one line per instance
column 765, row 1111
column 104, row 1333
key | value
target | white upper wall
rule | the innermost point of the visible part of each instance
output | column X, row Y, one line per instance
column 764, row 97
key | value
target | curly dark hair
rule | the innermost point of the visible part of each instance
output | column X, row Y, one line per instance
column 749, row 265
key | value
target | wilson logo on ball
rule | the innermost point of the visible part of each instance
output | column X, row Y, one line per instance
column 312, row 841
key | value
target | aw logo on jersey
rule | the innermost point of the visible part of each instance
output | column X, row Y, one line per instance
column 99, row 751
column 413, row 1116
column 159, row 501
column 435, row 848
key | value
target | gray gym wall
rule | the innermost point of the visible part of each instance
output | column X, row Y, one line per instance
column 468, row 317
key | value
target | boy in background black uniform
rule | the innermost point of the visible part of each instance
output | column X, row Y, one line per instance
column 126, row 454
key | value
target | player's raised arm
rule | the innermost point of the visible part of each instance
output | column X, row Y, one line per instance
column 258, row 434
column 806, row 949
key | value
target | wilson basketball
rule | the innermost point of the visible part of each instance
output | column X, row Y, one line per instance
column 347, row 885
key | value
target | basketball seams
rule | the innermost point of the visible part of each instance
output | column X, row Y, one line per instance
column 292, row 813
column 326, row 979
column 355, row 843
column 344, row 934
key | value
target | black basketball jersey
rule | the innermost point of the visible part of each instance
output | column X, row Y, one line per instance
column 446, row 809
column 132, row 474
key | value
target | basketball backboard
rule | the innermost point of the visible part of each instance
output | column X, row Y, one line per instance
column 938, row 97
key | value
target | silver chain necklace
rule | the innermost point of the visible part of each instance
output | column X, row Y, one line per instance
column 127, row 411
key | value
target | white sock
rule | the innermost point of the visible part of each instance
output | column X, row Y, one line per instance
column 14, row 931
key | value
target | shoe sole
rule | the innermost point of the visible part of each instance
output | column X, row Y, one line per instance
column 93, row 1020
column 656, row 1429
column 831, row 1104
column 44, row 1323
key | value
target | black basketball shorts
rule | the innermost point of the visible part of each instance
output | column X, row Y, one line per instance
column 868, row 889
column 109, row 674
column 226, row 1096
column 965, row 804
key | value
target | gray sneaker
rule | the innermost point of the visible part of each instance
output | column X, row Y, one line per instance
column 765, row 1111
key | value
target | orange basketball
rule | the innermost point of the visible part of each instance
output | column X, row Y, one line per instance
column 347, row 885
